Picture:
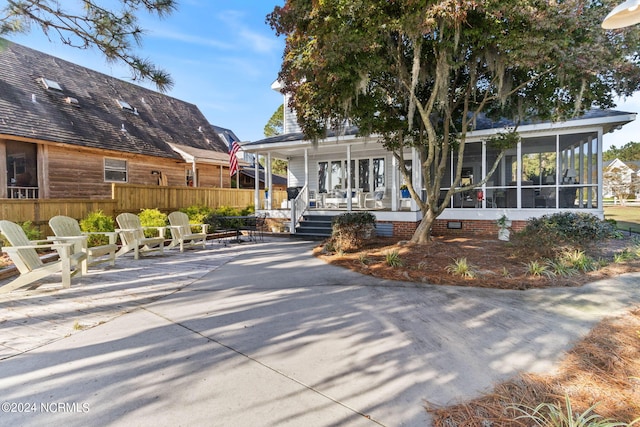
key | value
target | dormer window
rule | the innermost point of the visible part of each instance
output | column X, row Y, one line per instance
column 51, row 84
column 126, row 106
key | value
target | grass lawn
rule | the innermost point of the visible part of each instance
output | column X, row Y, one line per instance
column 628, row 217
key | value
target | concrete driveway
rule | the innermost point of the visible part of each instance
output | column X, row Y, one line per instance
column 267, row 335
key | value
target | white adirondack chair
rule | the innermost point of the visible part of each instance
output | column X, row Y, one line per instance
column 24, row 256
column 132, row 236
column 182, row 234
column 67, row 229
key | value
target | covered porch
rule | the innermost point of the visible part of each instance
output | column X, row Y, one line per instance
column 555, row 167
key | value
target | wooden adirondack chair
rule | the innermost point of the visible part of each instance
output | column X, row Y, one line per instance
column 24, row 256
column 132, row 236
column 67, row 229
column 182, row 234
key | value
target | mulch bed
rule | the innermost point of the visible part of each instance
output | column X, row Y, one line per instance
column 492, row 260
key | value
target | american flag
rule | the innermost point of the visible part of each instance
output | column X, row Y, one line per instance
column 234, row 147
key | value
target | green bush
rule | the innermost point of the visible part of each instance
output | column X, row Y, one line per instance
column 197, row 214
column 350, row 230
column 97, row 221
column 32, row 231
column 550, row 235
column 214, row 222
column 152, row 218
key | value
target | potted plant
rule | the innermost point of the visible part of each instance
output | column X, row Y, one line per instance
column 404, row 191
column 503, row 227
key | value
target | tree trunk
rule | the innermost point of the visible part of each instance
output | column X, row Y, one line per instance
column 423, row 232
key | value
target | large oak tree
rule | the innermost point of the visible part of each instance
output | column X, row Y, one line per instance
column 420, row 72
column 111, row 27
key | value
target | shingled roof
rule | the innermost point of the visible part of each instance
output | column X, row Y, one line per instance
column 93, row 109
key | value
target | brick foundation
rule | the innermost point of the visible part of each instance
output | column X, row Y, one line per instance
column 473, row 227
column 405, row 230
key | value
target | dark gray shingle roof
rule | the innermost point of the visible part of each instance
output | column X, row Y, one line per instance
column 96, row 120
column 482, row 123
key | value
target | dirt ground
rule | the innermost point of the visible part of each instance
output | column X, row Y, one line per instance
column 492, row 261
column 603, row 369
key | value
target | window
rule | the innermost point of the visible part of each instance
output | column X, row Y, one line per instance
column 51, row 84
column 378, row 173
column 323, row 177
column 366, row 175
column 363, row 175
column 336, row 175
column 126, row 106
column 115, row 170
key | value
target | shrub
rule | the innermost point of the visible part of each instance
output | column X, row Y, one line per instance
column 555, row 414
column 152, row 218
column 352, row 229
column 214, row 223
column 97, row 221
column 32, row 232
column 549, row 235
column 537, row 269
column 197, row 214
column 461, row 267
column 392, row 259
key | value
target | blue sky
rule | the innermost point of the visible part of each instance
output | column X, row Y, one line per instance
column 223, row 57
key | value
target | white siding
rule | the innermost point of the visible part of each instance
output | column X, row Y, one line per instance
column 290, row 120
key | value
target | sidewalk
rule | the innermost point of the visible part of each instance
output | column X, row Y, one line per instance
column 267, row 335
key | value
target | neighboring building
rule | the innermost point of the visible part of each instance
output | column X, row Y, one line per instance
column 621, row 179
column 248, row 179
column 69, row 132
column 555, row 167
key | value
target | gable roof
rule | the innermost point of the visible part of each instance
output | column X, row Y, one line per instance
column 251, row 173
column 93, row 109
column 634, row 165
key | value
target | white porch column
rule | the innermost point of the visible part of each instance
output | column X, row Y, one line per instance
column 256, row 191
column 195, row 172
column 349, row 189
column 599, row 163
column 416, row 172
column 267, row 179
column 395, row 178
column 306, row 173
column 519, row 176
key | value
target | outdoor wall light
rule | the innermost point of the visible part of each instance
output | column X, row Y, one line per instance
column 624, row 15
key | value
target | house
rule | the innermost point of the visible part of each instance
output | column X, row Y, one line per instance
column 69, row 132
column 621, row 180
column 248, row 179
column 555, row 167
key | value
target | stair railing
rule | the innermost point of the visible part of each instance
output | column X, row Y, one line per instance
column 299, row 206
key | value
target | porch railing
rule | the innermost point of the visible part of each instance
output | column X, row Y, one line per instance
column 14, row 192
column 299, row 206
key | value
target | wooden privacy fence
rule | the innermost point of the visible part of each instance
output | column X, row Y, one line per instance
column 131, row 198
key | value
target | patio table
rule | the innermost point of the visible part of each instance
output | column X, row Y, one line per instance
column 237, row 224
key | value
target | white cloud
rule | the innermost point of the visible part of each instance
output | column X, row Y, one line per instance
column 259, row 42
column 190, row 39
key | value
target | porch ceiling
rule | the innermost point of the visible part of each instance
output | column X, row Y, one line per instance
column 338, row 146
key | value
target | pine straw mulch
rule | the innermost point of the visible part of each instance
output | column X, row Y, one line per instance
column 603, row 368
column 493, row 261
